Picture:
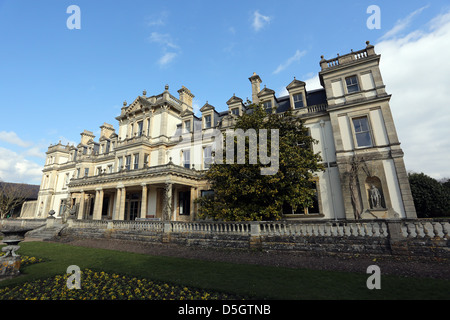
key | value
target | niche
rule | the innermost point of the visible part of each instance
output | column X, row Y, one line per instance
column 375, row 194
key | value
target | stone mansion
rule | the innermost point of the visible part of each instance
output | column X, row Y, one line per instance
column 152, row 167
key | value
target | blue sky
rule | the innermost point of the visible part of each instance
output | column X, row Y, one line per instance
column 56, row 82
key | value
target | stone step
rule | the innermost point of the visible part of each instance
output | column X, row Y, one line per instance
column 45, row 233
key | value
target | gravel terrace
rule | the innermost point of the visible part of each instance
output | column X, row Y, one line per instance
column 404, row 266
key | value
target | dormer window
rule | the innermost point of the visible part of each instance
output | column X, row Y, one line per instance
column 207, row 122
column 298, row 101
column 268, row 105
column 352, row 84
column 235, row 111
column 187, row 126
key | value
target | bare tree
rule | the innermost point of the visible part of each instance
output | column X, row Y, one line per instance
column 12, row 195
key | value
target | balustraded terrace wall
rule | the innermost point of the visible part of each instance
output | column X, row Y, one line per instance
column 401, row 237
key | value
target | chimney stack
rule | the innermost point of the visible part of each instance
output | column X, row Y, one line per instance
column 186, row 98
column 256, row 81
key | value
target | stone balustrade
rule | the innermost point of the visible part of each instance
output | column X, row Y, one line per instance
column 336, row 229
column 436, row 228
column 420, row 237
column 370, row 228
column 348, row 58
column 211, row 227
column 317, row 108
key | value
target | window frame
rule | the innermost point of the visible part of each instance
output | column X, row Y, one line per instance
column 184, row 203
column 119, row 163
column 206, row 166
column 352, row 84
column 268, row 108
column 184, row 157
column 136, row 161
column 128, row 162
column 369, row 131
column 207, row 123
column 187, row 126
column 301, row 100
column 140, row 128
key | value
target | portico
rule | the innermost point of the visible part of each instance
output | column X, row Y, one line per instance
column 140, row 194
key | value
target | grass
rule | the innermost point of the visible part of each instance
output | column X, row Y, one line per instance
column 258, row 282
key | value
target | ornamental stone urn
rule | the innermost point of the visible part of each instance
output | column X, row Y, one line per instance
column 10, row 261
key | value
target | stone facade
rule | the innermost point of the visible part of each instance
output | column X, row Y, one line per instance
column 152, row 168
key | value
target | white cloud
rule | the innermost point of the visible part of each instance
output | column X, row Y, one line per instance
column 313, row 83
column 35, row 152
column 166, row 58
column 282, row 92
column 296, row 57
column 163, row 38
column 415, row 72
column 196, row 106
column 402, row 24
column 12, row 138
column 259, row 21
column 158, row 20
column 15, row 168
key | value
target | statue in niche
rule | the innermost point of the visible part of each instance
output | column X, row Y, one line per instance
column 375, row 197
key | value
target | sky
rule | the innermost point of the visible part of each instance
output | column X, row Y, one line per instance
column 57, row 80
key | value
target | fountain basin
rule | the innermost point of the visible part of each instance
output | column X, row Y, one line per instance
column 10, row 261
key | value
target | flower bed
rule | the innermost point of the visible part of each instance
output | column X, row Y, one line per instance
column 25, row 260
column 103, row 286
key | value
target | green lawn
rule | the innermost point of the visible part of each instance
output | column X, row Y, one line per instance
column 259, row 282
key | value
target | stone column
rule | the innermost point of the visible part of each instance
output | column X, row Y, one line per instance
column 167, row 210
column 123, row 194
column 144, row 201
column 98, row 206
column 81, row 207
column 192, row 204
column 117, row 204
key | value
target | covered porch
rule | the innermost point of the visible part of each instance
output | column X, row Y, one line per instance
column 127, row 197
